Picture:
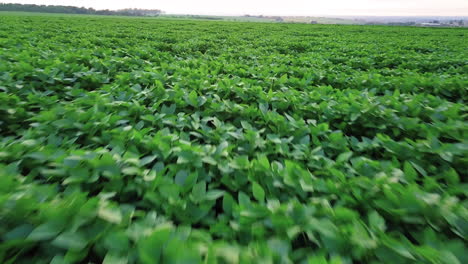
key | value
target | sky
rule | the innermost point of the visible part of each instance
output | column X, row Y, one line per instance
column 279, row 7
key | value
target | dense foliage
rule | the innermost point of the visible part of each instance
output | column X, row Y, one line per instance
column 77, row 10
column 154, row 141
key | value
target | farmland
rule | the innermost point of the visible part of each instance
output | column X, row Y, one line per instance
column 127, row 140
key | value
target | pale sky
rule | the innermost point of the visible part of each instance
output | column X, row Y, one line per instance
column 280, row 7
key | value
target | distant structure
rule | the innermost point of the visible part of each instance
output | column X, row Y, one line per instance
column 274, row 18
column 313, row 22
column 431, row 24
column 459, row 23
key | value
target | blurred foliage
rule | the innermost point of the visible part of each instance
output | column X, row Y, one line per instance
column 153, row 141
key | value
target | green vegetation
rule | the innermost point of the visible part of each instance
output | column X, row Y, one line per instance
column 77, row 10
column 171, row 141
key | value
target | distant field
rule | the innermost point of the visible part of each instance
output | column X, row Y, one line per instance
column 322, row 20
column 129, row 140
column 292, row 19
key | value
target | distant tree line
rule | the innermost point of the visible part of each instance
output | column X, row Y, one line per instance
column 204, row 17
column 276, row 18
column 78, row 10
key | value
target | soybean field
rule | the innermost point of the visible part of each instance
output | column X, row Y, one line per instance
column 150, row 140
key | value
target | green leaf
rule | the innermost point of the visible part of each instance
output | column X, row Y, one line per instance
column 199, row 191
column 19, row 232
column 263, row 161
column 70, row 240
column 448, row 258
column 131, row 171
column 398, row 247
column 150, row 248
column 46, row 231
column 361, row 237
column 180, row 177
column 213, row 194
column 377, row 222
column 283, row 78
column 410, row 173
column 149, row 175
column 147, row 160
column 263, row 107
column 244, row 200
column 117, row 241
column 72, row 161
column 318, row 259
column 228, row 203
column 258, row 192
column 452, row 176
column 111, row 258
column 110, row 214
column 193, row 98
column 343, row 157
